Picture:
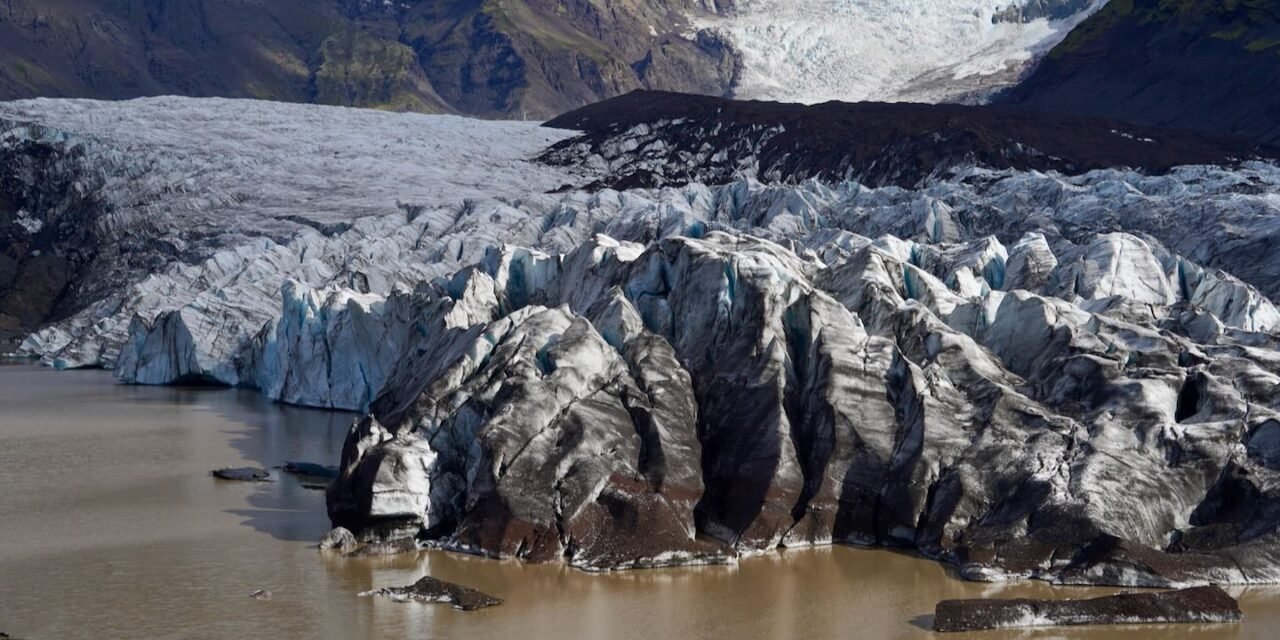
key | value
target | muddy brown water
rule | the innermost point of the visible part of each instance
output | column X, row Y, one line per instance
column 111, row 527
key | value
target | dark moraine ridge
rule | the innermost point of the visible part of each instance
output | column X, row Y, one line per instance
column 50, row 204
column 655, row 138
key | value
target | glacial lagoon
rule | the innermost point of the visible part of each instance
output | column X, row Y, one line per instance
column 111, row 527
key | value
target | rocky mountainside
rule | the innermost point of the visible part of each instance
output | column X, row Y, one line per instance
column 1204, row 65
column 523, row 58
column 511, row 58
column 1022, row 372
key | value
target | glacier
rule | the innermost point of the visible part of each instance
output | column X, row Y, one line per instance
column 171, row 189
column 890, row 51
column 728, row 386
column 1022, row 373
column 229, row 299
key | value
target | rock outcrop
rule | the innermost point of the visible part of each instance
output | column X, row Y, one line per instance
column 432, row 590
column 243, row 474
column 311, row 470
column 1031, row 10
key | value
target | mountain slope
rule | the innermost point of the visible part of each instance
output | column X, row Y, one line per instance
column 523, row 58
column 532, row 58
column 1205, row 65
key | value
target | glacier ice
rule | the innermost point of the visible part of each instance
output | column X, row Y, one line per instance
column 1021, row 373
column 728, row 386
column 900, row 50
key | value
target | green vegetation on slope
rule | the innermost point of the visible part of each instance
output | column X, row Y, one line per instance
column 1243, row 21
column 359, row 69
column 1206, row 65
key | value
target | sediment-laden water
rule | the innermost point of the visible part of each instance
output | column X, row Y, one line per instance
column 111, row 527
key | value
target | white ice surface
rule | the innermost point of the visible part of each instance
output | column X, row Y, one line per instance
column 884, row 50
column 267, row 159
